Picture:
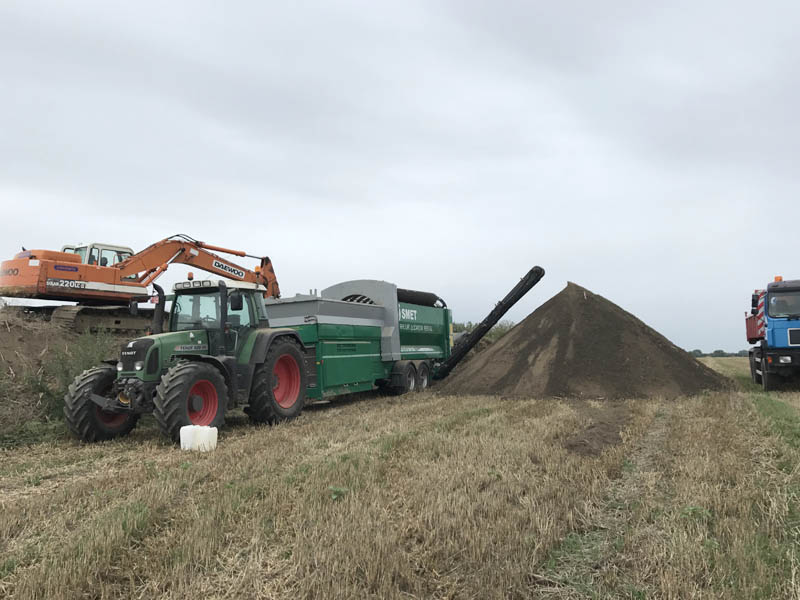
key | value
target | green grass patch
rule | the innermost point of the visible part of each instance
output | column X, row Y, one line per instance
column 460, row 419
column 783, row 419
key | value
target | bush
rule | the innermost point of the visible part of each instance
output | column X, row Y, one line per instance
column 33, row 396
column 495, row 333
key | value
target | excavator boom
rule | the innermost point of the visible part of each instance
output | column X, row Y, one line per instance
column 146, row 266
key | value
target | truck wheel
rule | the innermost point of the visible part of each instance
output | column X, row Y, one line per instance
column 423, row 377
column 407, row 380
column 190, row 393
column 768, row 380
column 87, row 420
column 279, row 385
column 752, row 361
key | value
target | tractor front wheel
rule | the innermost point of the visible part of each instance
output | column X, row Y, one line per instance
column 190, row 393
column 279, row 385
column 85, row 418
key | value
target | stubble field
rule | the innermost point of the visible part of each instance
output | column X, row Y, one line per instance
column 424, row 496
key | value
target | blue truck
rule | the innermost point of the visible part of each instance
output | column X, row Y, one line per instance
column 773, row 327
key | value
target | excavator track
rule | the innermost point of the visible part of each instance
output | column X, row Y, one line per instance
column 114, row 319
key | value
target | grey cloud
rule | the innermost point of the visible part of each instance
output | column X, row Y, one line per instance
column 639, row 149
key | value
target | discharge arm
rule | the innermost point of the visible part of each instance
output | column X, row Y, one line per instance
column 468, row 342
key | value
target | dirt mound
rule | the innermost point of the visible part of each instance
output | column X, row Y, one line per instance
column 578, row 344
column 608, row 420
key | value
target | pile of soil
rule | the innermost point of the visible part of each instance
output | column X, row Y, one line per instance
column 578, row 344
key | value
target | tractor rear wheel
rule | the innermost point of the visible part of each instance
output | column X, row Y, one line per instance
column 190, row 393
column 85, row 418
column 279, row 385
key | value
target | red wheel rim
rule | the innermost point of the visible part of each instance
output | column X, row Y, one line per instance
column 110, row 419
column 207, row 393
column 286, row 378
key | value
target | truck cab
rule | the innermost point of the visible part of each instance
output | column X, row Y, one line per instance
column 774, row 326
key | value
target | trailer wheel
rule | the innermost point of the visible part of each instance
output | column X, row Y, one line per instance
column 190, row 393
column 87, row 420
column 279, row 385
column 423, row 377
column 406, row 382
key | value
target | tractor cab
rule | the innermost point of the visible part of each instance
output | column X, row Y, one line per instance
column 104, row 255
column 223, row 313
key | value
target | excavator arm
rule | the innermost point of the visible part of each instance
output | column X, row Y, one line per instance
column 146, row 266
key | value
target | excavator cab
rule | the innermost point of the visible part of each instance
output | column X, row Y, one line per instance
column 104, row 255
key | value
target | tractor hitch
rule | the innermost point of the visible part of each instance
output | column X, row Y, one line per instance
column 110, row 404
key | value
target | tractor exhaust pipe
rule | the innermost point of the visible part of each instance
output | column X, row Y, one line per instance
column 158, row 314
column 468, row 342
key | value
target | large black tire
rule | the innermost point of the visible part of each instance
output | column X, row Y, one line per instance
column 755, row 376
column 407, row 380
column 423, row 377
column 768, row 380
column 87, row 420
column 755, row 367
column 279, row 385
column 190, row 393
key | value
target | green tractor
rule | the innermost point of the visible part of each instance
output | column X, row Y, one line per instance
column 218, row 353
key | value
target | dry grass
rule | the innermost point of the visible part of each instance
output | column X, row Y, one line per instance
column 730, row 366
column 423, row 496
column 37, row 363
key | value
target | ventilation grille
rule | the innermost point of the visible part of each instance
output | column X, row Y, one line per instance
column 358, row 299
column 794, row 337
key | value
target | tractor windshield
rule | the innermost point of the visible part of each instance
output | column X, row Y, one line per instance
column 784, row 304
column 195, row 311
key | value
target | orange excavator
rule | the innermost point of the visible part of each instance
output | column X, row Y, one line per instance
column 102, row 278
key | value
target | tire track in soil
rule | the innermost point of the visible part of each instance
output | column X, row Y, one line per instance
column 575, row 568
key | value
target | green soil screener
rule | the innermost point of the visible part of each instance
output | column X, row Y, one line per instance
column 226, row 346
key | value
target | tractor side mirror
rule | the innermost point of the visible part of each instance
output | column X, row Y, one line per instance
column 237, row 302
column 133, row 308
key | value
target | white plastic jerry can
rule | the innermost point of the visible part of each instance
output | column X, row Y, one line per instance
column 198, row 437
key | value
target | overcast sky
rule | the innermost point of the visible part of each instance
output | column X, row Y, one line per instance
column 647, row 153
